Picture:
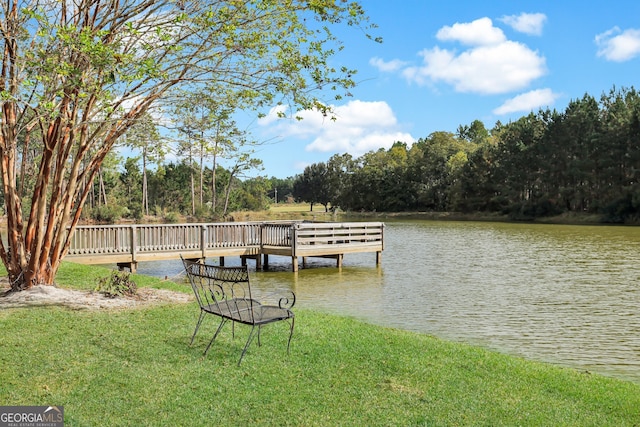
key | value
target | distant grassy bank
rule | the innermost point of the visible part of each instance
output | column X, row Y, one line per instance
column 284, row 211
column 135, row 367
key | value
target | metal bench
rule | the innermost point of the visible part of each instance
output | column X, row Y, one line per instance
column 225, row 292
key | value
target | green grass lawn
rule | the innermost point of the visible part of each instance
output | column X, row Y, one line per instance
column 286, row 211
column 136, row 368
column 295, row 207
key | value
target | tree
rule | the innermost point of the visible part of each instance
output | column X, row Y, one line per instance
column 131, row 181
column 431, row 166
column 475, row 132
column 206, row 120
column 339, row 170
column 144, row 135
column 108, row 192
column 78, row 75
column 280, row 189
column 251, row 195
column 313, row 185
column 243, row 163
column 168, row 190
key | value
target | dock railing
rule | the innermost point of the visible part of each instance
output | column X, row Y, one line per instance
column 129, row 244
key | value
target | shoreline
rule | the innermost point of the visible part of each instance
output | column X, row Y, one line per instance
column 282, row 213
column 564, row 219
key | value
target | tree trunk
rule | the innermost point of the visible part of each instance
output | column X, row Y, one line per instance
column 214, row 165
column 227, row 193
column 214, row 198
column 193, row 185
column 145, row 189
column 201, row 171
column 102, row 197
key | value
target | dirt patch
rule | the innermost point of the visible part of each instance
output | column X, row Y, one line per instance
column 86, row 300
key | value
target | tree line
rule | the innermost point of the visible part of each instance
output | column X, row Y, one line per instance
column 173, row 190
column 585, row 159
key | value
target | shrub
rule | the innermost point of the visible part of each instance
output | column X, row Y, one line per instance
column 171, row 217
column 108, row 213
column 117, row 285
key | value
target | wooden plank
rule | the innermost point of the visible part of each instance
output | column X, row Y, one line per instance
column 277, row 250
column 317, row 250
column 337, row 240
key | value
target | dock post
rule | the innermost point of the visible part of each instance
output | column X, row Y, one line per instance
column 134, row 249
column 294, row 263
column 203, row 241
column 132, row 266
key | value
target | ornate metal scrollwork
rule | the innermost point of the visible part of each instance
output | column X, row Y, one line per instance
column 287, row 301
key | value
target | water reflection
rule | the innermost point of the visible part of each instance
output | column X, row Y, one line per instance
column 563, row 294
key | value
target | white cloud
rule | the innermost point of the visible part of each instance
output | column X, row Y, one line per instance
column 616, row 45
column 491, row 65
column 491, row 69
column 528, row 23
column 357, row 143
column 528, row 102
column 387, row 66
column 477, row 33
column 359, row 127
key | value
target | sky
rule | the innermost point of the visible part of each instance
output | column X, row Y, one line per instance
column 443, row 64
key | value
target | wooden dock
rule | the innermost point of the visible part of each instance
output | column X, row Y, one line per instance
column 126, row 245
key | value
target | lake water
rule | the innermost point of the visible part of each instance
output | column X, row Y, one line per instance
column 569, row 295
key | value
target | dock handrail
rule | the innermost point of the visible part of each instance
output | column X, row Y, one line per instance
column 129, row 243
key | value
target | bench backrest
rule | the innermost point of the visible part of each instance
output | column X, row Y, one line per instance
column 224, row 290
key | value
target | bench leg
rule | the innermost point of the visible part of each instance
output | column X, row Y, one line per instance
column 293, row 321
column 222, row 322
column 197, row 326
column 246, row 346
column 259, row 343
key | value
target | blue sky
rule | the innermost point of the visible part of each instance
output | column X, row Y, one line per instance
column 445, row 64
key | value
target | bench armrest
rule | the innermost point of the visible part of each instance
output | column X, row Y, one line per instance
column 285, row 299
